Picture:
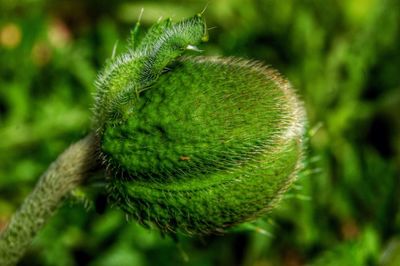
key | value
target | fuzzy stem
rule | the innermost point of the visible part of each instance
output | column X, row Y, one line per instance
column 70, row 169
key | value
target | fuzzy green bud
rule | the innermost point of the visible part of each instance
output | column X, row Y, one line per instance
column 210, row 143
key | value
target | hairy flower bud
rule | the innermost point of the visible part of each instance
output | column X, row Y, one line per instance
column 210, row 143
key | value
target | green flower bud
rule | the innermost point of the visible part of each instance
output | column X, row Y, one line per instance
column 210, row 143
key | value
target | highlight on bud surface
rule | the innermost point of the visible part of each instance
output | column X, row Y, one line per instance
column 210, row 143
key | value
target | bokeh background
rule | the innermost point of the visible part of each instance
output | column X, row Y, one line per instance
column 343, row 57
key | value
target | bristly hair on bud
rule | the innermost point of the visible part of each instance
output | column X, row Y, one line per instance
column 211, row 143
column 125, row 76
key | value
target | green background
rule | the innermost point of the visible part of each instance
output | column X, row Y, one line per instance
column 342, row 57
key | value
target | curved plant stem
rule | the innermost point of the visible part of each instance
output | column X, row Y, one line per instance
column 70, row 169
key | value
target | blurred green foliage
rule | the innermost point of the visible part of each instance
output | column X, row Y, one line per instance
column 343, row 58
